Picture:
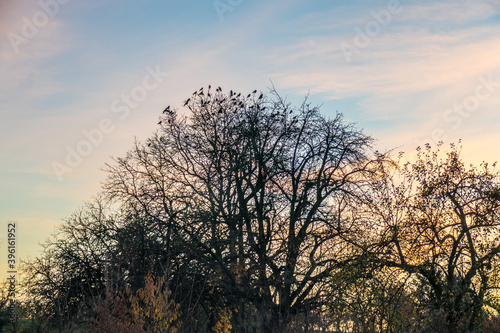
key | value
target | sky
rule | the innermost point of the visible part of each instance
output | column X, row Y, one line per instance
column 81, row 80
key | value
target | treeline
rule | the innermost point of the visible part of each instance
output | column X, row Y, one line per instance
column 254, row 215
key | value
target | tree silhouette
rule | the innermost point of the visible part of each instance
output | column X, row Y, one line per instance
column 439, row 222
column 255, row 215
column 257, row 189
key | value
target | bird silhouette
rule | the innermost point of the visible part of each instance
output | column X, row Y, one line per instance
column 261, row 95
column 253, row 92
column 187, row 101
column 209, row 86
column 159, row 123
column 248, row 95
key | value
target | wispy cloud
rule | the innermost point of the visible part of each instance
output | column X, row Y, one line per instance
column 397, row 66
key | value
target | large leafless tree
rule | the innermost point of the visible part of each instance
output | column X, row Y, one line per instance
column 256, row 189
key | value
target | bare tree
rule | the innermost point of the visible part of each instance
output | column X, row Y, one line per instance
column 62, row 284
column 255, row 190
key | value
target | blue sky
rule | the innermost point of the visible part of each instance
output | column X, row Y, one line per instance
column 407, row 72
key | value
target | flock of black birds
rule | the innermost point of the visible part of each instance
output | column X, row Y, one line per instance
column 232, row 95
column 200, row 92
